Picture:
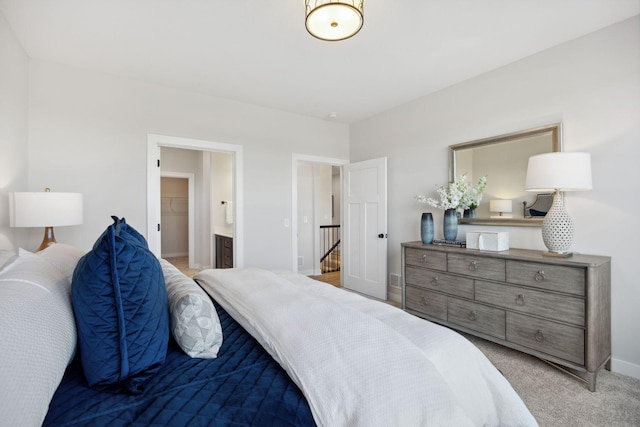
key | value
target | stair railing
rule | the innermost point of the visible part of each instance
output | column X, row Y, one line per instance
column 330, row 248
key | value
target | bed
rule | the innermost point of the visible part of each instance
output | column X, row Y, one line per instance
column 295, row 352
column 242, row 386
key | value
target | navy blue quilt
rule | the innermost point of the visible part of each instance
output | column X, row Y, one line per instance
column 244, row 386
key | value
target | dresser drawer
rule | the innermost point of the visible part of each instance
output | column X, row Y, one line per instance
column 427, row 259
column 565, row 342
column 544, row 304
column 545, row 276
column 481, row 267
column 438, row 281
column 478, row 317
column 429, row 303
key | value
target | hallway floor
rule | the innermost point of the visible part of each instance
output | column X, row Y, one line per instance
column 182, row 264
column 332, row 278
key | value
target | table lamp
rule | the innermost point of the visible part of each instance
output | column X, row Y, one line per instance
column 558, row 172
column 45, row 209
column 503, row 207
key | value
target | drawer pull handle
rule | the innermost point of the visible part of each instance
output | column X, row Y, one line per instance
column 539, row 335
column 435, row 281
column 473, row 315
column 424, row 257
column 539, row 277
column 425, row 301
column 473, row 265
column 520, row 300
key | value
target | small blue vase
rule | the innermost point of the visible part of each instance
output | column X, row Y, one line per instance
column 426, row 228
column 450, row 225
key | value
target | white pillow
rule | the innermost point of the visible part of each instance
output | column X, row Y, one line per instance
column 6, row 257
column 64, row 257
column 38, row 334
column 194, row 321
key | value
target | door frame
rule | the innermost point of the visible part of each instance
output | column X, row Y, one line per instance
column 192, row 211
column 295, row 159
column 154, row 143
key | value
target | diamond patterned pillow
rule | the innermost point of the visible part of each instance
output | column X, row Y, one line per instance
column 120, row 303
column 194, row 321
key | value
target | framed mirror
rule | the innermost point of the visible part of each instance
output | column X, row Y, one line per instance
column 503, row 159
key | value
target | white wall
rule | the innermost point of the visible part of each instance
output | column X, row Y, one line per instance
column 222, row 183
column 592, row 85
column 88, row 133
column 13, row 132
column 314, row 209
column 305, row 210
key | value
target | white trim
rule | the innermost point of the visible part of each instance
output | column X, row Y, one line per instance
column 175, row 255
column 154, row 142
column 625, row 368
column 190, row 177
column 295, row 158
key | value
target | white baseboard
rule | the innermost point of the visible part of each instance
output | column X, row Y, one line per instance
column 394, row 294
column 625, row 368
column 175, row 254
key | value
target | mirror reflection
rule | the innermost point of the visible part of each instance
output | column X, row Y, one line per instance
column 503, row 159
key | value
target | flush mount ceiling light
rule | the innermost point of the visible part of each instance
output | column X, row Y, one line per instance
column 334, row 20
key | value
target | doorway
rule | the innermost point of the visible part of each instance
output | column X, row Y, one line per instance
column 177, row 214
column 316, row 217
column 363, row 220
column 204, row 240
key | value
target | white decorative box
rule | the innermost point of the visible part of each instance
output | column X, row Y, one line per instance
column 488, row 240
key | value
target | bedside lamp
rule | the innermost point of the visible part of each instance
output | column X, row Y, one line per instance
column 45, row 209
column 503, row 207
column 558, row 172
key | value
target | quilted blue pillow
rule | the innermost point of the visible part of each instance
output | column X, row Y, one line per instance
column 120, row 303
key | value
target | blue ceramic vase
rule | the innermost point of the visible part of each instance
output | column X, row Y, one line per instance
column 426, row 228
column 450, row 225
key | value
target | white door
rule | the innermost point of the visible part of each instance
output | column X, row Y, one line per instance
column 364, row 267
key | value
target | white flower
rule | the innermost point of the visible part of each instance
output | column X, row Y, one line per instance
column 457, row 194
column 473, row 195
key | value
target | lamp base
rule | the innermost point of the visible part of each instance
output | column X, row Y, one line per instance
column 558, row 254
column 557, row 227
column 49, row 239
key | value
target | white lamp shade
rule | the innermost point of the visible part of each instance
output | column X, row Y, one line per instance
column 45, row 209
column 500, row 205
column 334, row 20
column 559, row 171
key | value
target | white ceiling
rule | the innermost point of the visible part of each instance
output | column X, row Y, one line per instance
column 258, row 51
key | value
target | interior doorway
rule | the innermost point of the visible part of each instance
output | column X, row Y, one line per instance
column 204, row 210
column 317, row 217
column 174, row 217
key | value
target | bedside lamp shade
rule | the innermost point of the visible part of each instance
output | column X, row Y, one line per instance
column 502, row 207
column 558, row 171
column 45, row 209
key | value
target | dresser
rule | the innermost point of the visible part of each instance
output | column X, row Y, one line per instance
column 557, row 309
column 224, row 251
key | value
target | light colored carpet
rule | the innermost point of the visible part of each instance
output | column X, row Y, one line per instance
column 558, row 400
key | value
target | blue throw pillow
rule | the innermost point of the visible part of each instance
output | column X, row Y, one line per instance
column 120, row 303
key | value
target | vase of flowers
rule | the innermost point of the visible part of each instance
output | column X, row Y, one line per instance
column 472, row 196
column 454, row 196
column 450, row 224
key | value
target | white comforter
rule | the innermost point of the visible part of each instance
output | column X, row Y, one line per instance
column 364, row 363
